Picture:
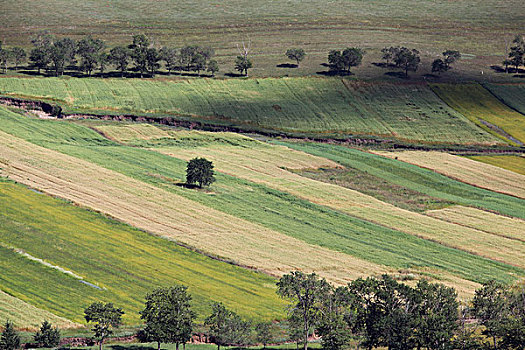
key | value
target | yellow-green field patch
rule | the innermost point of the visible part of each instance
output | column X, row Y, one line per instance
column 512, row 163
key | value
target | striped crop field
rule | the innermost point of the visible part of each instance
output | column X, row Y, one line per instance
column 483, row 221
column 512, row 163
column 27, row 316
column 480, row 106
column 264, row 164
column 512, row 95
column 306, row 106
column 257, row 225
column 93, row 258
column 466, row 170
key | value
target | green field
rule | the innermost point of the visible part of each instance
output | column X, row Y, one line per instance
column 512, row 95
column 256, row 203
column 312, row 106
column 124, row 262
column 476, row 28
column 513, row 163
column 417, row 179
column 480, row 106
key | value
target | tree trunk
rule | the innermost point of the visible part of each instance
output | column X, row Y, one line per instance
column 177, row 346
column 100, row 344
column 218, row 346
column 158, row 345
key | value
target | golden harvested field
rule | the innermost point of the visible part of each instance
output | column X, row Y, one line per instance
column 466, row 170
column 482, row 220
column 512, row 163
column 27, row 316
column 171, row 216
column 265, row 164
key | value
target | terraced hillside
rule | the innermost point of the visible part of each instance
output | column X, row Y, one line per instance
column 480, row 106
column 512, row 95
column 311, row 106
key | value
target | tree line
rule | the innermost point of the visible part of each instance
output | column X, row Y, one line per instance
column 368, row 313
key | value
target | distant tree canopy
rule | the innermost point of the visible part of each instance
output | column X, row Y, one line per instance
column 441, row 65
column 105, row 317
column 226, row 327
column 47, row 336
column 200, row 171
column 516, row 56
column 343, row 61
column 402, row 57
column 296, row 54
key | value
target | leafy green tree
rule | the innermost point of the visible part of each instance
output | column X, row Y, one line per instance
column 91, row 52
column 200, row 170
column 389, row 53
column 186, row 56
column 439, row 66
column 335, row 61
column 226, row 327
column 19, row 56
column 490, row 308
column 40, row 55
column 169, row 56
column 264, row 333
column 120, row 56
column 213, row 67
column 168, row 315
column 198, row 62
column 9, row 340
column 242, row 64
column 306, row 293
column 152, row 60
column 343, row 61
column 296, row 54
column 517, row 52
column 407, row 59
column 105, row 317
column 450, row 57
column 139, row 52
column 61, row 53
column 5, row 57
column 47, row 336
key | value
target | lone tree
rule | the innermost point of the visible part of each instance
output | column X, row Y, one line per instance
column 105, row 316
column 47, row 337
column 407, row 59
column 443, row 65
column 307, row 292
column 242, row 64
column 9, row 340
column 226, row 327
column 168, row 316
column 200, row 171
column 343, row 61
column 296, row 54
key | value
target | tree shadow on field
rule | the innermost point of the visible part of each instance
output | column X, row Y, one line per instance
column 287, row 65
column 334, row 73
column 400, row 75
column 185, row 185
column 132, row 347
column 234, row 75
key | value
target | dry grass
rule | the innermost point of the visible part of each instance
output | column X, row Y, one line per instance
column 466, row 170
column 26, row 316
column 266, row 165
column 483, row 221
column 169, row 215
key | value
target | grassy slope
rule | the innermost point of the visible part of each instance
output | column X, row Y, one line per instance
column 512, row 163
column 477, row 104
column 416, row 178
column 127, row 262
column 512, row 95
column 465, row 170
column 321, row 106
column 474, row 27
column 323, row 227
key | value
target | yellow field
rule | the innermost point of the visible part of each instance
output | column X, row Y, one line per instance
column 483, row 221
column 466, row 170
column 265, row 164
column 26, row 316
column 169, row 215
column 512, row 163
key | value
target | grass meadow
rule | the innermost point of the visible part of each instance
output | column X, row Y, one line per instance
column 512, row 95
column 480, row 106
column 476, row 28
column 334, row 238
column 321, row 107
column 512, row 163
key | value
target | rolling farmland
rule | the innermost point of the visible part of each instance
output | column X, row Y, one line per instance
column 340, row 236
column 466, row 170
column 480, row 106
column 512, row 163
column 512, row 95
column 308, row 106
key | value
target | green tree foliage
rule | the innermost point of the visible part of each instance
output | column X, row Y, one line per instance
column 61, row 52
column 9, row 340
column 439, row 66
column 306, row 293
column 296, row 54
column 407, row 59
column 40, row 55
column 105, row 317
column 389, row 53
column 91, row 52
column 19, row 55
column 264, row 333
column 47, row 336
column 139, row 52
column 168, row 316
column 200, row 171
column 343, row 61
column 213, row 67
column 170, row 57
column 198, row 62
column 517, row 52
column 226, row 327
column 5, row 56
column 152, row 60
column 242, row 64
column 119, row 56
